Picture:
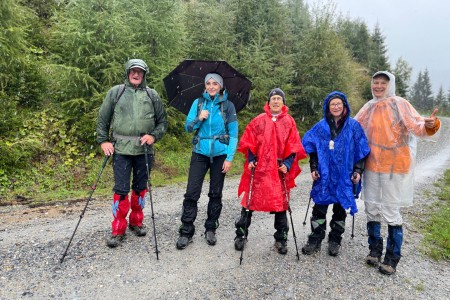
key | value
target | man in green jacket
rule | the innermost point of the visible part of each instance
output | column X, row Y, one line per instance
column 135, row 117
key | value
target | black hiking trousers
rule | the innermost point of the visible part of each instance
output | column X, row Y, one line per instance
column 280, row 224
column 337, row 223
column 199, row 166
column 123, row 165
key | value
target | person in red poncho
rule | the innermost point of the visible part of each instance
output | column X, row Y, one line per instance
column 272, row 147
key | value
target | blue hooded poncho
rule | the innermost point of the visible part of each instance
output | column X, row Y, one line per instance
column 336, row 165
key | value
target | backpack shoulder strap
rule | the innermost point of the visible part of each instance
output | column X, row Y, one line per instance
column 151, row 93
column 200, row 102
column 121, row 90
column 224, row 112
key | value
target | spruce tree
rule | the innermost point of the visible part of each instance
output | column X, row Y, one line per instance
column 357, row 39
column 439, row 101
column 402, row 74
column 378, row 60
column 422, row 95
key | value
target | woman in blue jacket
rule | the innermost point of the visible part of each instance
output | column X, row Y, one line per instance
column 213, row 119
column 337, row 148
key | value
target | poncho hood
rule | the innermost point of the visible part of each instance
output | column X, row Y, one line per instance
column 390, row 91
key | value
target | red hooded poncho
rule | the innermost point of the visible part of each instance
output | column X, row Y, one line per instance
column 270, row 140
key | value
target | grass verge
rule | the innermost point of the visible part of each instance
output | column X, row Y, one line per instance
column 57, row 182
column 437, row 226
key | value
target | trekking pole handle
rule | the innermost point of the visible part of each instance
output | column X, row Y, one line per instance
column 354, row 176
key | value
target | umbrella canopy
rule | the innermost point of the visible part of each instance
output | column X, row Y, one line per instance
column 187, row 83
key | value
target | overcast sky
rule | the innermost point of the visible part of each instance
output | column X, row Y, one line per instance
column 417, row 30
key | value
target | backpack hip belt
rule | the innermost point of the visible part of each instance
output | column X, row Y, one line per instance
column 137, row 139
column 223, row 138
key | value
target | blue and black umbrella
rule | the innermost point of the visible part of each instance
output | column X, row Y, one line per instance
column 187, row 83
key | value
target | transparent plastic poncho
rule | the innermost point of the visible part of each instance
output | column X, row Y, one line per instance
column 391, row 125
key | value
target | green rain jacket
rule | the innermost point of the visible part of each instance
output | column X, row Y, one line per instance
column 133, row 115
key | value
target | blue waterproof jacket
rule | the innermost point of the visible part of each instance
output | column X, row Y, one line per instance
column 336, row 165
column 209, row 130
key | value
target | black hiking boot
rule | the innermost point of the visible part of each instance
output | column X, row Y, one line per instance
column 114, row 240
column 210, row 237
column 239, row 242
column 333, row 248
column 281, row 246
column 312, row 246
column 183, row 241
column 138, row 230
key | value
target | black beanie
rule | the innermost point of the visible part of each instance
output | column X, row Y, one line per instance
column 279, row 92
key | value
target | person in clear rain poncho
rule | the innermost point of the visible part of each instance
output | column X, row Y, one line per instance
column 391, row 125
column 337, row 149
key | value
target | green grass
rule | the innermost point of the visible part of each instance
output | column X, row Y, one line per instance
column 437, row 225
column 53, row 181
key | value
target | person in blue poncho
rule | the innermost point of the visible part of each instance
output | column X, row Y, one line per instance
column 337, row 149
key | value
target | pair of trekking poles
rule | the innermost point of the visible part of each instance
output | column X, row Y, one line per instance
column 353, row 217
column 105, row 160
column 288, row 205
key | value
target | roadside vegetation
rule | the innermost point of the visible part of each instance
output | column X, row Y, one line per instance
column 437, row 223
column 60, row 57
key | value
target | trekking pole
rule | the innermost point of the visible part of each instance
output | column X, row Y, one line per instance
column 105, row 160
column 309, row 202
column 151, row 201
column 306, row 215
column 289, row 209
column 353, row 217
column 246, row 213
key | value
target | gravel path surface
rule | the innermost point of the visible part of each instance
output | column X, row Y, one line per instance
column 32, row 242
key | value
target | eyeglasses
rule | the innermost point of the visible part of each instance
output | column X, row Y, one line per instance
column 276, row 98
column 136, row 71
column 339, row 104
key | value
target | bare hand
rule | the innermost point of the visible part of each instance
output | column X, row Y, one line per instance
column 108, row 148
column 203, row 115
column 315, row 175
column 252, row 165
column 226, row 166
column 356, row 177
column 431, row 121
column 282, row 168
column 147, row 139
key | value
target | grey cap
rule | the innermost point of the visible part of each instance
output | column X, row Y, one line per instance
column 216, row 77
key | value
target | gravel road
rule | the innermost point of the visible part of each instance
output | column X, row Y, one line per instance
column 32, row 241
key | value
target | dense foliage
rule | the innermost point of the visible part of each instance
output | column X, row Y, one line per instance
column 59, row 58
